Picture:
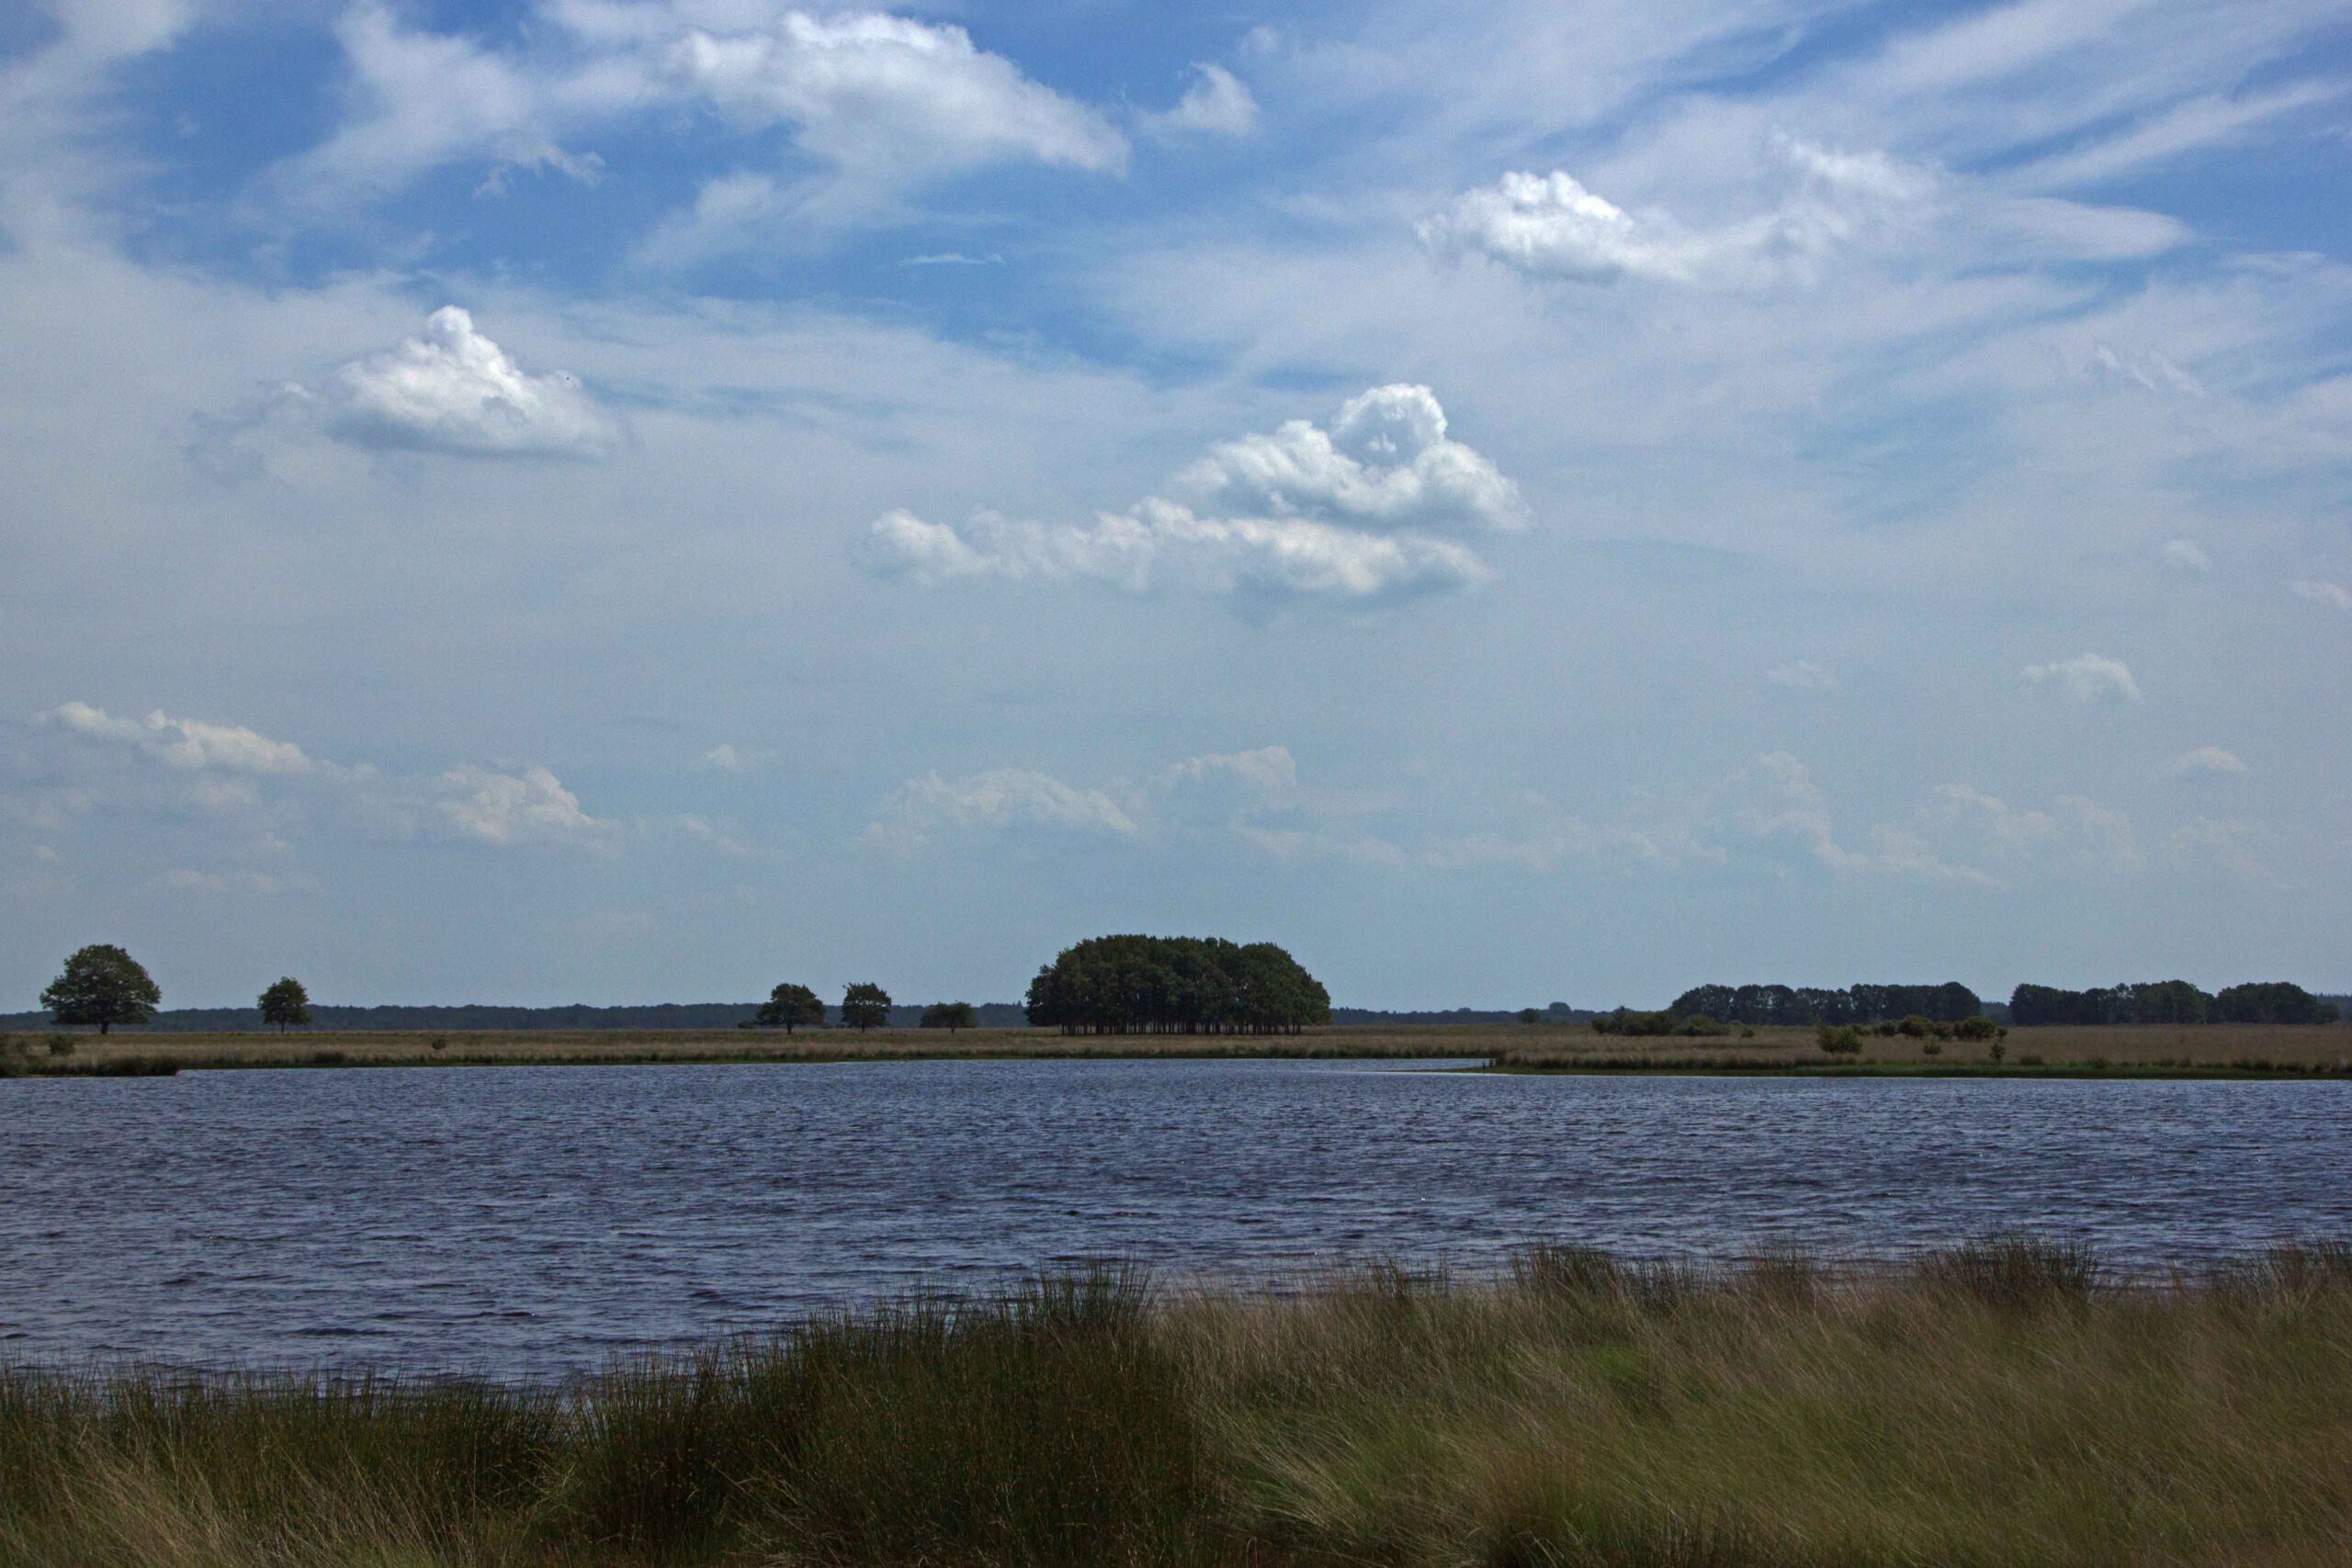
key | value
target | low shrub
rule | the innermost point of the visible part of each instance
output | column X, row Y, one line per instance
column 1839, row 1041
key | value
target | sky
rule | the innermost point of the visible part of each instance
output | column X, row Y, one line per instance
column 618, row 500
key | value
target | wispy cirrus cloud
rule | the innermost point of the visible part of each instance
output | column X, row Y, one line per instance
column 882, row 104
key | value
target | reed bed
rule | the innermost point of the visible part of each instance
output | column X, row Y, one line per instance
column 2009, row 1401
column 2123, row 1050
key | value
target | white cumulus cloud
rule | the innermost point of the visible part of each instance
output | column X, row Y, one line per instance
column 2186, row 553
column 1386, row 463
column 2086, row 678
column 867, row 88
column 186, row 742
column 1270, row 769
column 1352, row 513
column 1550, row 225
column 514, row 807
column 997, row 798
column 452, row 390
column 1217, row 103
column 2335, row 596
column 1802, row 675
column 2205, row 762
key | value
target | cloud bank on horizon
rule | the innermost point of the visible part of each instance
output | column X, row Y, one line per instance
column 1548, row 502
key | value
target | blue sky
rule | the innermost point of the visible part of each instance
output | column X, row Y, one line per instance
column 618, row 500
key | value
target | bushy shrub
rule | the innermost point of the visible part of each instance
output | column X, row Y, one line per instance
column 1626, row 1022
column 1844, row 1041
column 1977, row 1028
column 61, row 1045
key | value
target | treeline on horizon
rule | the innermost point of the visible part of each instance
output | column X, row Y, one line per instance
column 2156, row 1001
column 1805, row 1006
column 2172, row 1001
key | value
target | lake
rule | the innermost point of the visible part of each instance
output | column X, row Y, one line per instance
column 536, row 1220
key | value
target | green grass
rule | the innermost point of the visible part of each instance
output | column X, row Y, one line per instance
column 2007, row 1403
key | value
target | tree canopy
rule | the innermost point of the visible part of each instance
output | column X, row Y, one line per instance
column 790, row 1005
column 1806, row 1005
column 865, row 1006
column 950, row 1016
column 1157, row 985
column 2169, row 1001
column 105, row 986
column 285, row 1004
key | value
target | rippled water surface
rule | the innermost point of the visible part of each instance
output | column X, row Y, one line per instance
column 535, row 1221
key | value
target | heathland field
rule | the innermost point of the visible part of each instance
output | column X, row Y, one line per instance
column 2200, row 1050
column 2001, row 1404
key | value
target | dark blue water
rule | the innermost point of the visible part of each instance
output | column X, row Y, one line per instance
column 535, row 1221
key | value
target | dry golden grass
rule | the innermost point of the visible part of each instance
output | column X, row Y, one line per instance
column 2206, row 1049
column 2199, row 1049
column 525, row 1047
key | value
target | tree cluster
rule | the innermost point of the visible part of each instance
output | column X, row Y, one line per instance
column 2169, row 1001
column 1802, row 1006
column 1157, row 985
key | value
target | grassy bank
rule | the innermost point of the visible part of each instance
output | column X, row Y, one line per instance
column 2214, row 1050
column 1998, row 1404
column 2262, row 1050
column 609, row 1047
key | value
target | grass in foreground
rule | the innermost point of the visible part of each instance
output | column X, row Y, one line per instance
column 2002, row 1403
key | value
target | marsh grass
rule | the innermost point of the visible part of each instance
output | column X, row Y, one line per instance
column 2186, row 1051
column 2005, row 1401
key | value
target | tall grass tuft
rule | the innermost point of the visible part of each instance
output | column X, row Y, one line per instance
column 2021, row 1273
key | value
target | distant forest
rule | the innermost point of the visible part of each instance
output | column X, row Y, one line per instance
column 2173, row 1001
column 2156, row 1001
column 1806, row 1005
column 2142, row 1005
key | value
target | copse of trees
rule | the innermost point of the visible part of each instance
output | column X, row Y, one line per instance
column 1160, row 985
column 1808, row 1006
column 950, row 1016
column 102, row 985
column 2169, row 1001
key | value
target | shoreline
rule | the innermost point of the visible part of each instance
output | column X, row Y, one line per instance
column 2320, row 1052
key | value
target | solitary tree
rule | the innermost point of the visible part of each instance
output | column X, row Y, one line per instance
column 950, row 1016
column 788, row 1006
column 865, row 1006
column 285, row 1004
column 105, row 986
